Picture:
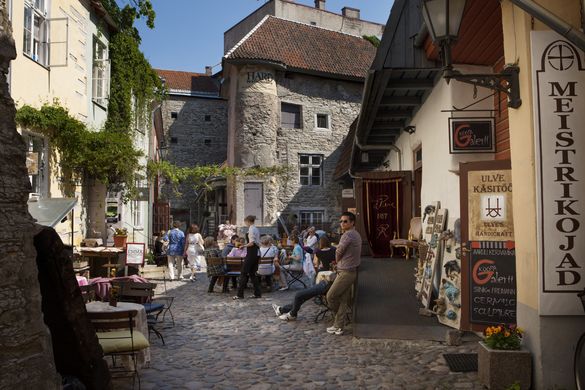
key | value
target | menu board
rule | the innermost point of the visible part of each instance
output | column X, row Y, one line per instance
column 492, row 282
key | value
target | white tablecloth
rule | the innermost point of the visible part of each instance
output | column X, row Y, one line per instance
column 143, row 357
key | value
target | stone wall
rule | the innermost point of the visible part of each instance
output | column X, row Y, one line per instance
column 187, row 134
column 27, row 357
column 260, row 140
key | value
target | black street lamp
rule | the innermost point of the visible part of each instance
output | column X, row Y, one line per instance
column 443, row 19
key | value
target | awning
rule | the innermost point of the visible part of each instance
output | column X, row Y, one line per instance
column 49, row 212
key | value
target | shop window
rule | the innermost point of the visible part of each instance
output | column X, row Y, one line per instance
column 101, row 73
column 312, row 218
column 290, row 116
column 310, row 169
column 322, row 121
column 36, row 31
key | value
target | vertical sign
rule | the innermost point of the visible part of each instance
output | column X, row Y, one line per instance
column 490, row 205
column 492, row 267
column 558, row 79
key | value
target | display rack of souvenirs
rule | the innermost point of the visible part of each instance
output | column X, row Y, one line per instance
column 431, row 272
column 428, row 226
column 447, row 306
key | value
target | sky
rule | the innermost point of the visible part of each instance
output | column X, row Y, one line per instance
column 188, row 34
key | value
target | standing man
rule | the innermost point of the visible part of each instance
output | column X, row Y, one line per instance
column 175, row 251
column 348, row 258
column 251, row 261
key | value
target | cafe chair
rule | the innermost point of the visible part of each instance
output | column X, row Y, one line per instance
column 414, row 235
column 117, row 337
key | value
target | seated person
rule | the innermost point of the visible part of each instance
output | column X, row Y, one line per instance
column 239, row 250
column 290, row 311
column 325, row 255
column 229, row 246
column 312, row 240
column 211, row 249
column 295, row 263
column 267, row 249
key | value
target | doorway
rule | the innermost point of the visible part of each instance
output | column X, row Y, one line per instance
column 254, row 201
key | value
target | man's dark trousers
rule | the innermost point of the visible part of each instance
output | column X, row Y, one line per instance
column 249, row 270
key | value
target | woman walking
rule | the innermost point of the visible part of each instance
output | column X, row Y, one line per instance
column 193, row 249
column 251, row 261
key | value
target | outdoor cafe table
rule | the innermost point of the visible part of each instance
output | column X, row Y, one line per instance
column 143, row 356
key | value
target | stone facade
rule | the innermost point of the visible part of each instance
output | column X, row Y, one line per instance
column 259, row 139
column 195, row 129
column 27, row 356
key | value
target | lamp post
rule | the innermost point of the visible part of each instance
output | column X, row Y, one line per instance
column 443, row 19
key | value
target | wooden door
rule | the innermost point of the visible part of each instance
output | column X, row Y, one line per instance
column 254, row 201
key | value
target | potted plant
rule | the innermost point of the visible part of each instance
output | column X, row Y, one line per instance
column 120, row 237
column 502, row 362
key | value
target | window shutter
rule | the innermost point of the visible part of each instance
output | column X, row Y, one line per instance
column 58, row 42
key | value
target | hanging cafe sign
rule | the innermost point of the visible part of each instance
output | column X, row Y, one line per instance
column 558, row 76
column 471, row 135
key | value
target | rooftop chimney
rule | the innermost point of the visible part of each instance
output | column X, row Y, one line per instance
column 349, row 12
column 208, row 71
column 320, row 4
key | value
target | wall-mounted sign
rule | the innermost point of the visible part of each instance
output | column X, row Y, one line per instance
column 490, row 205
column 257, row 79
column 559, row 97
column 347, row 193
column 135, row 253
column 492, row 279
column 472, row 135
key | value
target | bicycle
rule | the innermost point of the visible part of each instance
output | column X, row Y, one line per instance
column 579, row 360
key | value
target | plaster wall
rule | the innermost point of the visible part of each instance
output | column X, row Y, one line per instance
column 440, row 179
column 551, row 339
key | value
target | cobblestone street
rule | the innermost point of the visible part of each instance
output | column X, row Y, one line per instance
column 219, row 343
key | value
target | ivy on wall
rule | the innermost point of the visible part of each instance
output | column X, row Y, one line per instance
column 107, row 156
column 198, row 176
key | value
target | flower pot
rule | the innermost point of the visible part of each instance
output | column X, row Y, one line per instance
column 120, row 241
column 499, row 369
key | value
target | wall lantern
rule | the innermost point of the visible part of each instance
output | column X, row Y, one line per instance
column 443, row 19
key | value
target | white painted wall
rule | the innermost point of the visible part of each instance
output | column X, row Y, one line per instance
column 432, row 131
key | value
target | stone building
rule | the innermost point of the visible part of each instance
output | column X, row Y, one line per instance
column 192, row 122
column 293, row 91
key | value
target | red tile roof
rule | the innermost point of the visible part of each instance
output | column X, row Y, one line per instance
column 189, row 82
column 304, row 47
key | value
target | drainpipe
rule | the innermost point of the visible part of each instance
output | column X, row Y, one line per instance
column 552, row 21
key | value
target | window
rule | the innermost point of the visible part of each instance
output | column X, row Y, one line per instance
column 207, row 142
column 174, row 115
column 310, row 169
column 207, row 118
column 36, row 163
column 312, row 218
column 36, row 31
column 322, row 121
column 137, row 213
column 174, row 140
column 290, row 116
column 101, row 73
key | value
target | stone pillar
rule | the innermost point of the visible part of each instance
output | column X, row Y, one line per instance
column 27, row 356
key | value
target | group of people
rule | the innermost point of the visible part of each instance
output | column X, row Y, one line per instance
column 336, row 266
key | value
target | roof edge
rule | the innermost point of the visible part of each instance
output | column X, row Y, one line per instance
column 245, row 38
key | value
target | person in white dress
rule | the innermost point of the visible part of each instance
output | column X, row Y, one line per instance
column 194, row 249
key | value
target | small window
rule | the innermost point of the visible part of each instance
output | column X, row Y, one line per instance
column 313, row 23
column 174, row 140
column 312, row 218
column 36, row 32
column 101, row 73
column 207, row 118
column 207, row 142
column 174, row 115
column 310, row 169
column 322, row 121
column 290, row 116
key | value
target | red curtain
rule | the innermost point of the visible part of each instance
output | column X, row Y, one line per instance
column 382, row 213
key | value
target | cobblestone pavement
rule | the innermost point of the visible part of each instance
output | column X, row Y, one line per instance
column 219, row 343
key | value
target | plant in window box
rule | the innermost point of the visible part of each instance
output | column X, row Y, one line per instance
column 501, row 359
column 120, row 237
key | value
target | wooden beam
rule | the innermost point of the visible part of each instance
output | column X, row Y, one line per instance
column 393, row 114
column 410, row 84
column 401, row 101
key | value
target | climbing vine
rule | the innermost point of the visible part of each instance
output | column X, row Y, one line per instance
column 374, row 40
column 198, row 176
column 107, row 156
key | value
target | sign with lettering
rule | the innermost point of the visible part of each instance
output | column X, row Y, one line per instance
column 135, row 253
column 257, row 79
column 492, row 279
column 471, row 135
column 558, row 76
column 490, row 205
column 382, row 211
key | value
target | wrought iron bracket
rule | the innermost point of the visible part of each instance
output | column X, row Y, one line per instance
column 507, row 82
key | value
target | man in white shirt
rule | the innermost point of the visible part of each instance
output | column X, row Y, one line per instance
column 251, row 261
